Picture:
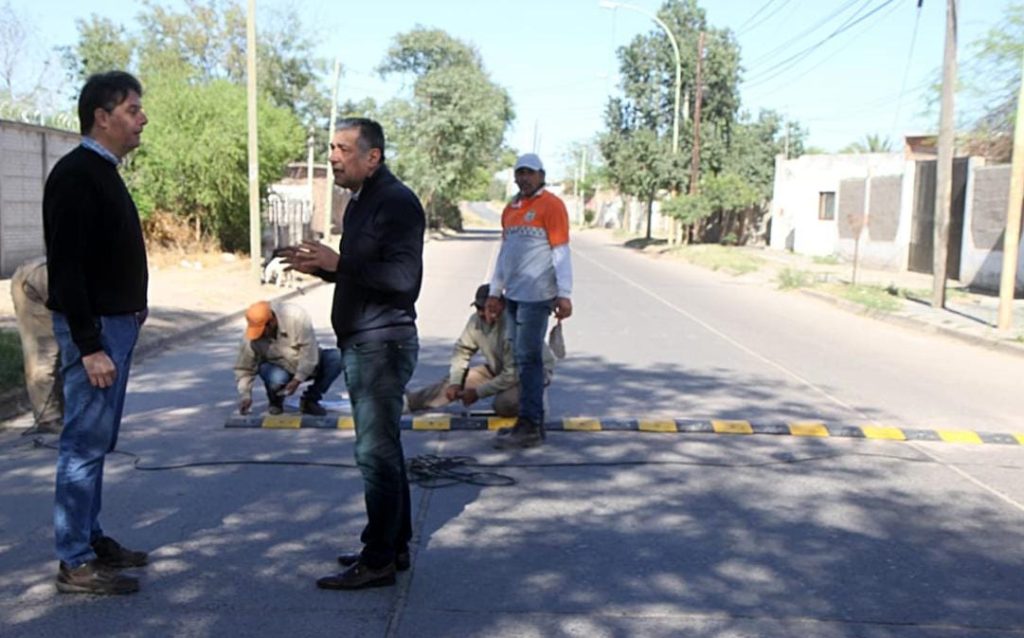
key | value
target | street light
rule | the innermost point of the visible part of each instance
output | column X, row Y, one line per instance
column 609, row 4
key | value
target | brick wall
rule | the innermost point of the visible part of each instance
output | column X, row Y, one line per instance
column 27, row 153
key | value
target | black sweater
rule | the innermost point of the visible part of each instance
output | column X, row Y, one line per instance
column 94, row 248
column 381, row 266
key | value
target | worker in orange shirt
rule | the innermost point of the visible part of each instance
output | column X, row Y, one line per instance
column 534, row 274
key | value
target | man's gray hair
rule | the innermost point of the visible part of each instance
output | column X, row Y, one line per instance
column 371, row 133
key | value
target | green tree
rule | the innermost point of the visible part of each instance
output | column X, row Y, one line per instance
column 447, row 139
column 103, row 45
column 207, row 183
column 207, row 41
column 193, row 164
column 872, row 143
column 991, row 77
column 637, row 142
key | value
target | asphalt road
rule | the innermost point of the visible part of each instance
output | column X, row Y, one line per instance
column 603, row 533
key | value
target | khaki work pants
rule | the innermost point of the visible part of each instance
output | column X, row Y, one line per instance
column 506, row 402
column 40, row 352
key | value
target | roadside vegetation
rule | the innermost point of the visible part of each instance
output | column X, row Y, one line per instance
column 11, row 373
column 716, row 257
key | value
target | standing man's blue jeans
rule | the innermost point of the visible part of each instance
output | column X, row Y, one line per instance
column 327, row 370
column 527, row 323
column 376, row 374
column 92, row 418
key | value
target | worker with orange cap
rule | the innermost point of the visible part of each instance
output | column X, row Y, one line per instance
column 280, row 347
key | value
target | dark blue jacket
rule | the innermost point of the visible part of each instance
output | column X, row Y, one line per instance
column 381, row 267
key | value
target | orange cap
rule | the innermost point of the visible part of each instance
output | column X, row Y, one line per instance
column 257, row 316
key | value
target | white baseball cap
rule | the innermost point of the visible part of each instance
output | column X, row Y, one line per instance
column 530, row 161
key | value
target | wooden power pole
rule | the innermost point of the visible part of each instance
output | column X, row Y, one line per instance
column 695, row 161
column 255, row 243
column 944, row 168
column 1011, row 238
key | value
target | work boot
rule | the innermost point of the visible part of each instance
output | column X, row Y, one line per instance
column 275, row 407
column 312, row 408
column 110, row 553
column 508, row 430
column 94, row 578
column 525, row 433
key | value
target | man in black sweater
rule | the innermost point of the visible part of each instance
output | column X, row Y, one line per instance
column 377, row 278
column 97, row 292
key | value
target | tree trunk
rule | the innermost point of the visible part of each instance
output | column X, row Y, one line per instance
column 650, row 214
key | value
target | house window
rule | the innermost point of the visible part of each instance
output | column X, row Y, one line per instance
column 827, row 205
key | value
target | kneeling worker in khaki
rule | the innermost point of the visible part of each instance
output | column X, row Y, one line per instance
column 280, row 347
column 39, row 350
column 484, row 333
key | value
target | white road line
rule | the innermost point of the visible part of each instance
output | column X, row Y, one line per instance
column 725, row 337
column 956, row 470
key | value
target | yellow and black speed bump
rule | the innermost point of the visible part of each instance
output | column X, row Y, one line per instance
column 446, row 422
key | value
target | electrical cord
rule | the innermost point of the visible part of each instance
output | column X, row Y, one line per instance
column 434, row 471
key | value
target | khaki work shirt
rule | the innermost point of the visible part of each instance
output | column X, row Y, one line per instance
column 497, row 351
column 294, row 348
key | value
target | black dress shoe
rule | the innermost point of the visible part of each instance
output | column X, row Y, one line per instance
column 359, row 576
column 110, row 553
column 402, row 561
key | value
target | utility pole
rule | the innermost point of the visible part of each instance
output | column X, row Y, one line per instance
column 944, row 168
column 329, row 187
column 695, row 162
column 1011, row 238
column 255, row 243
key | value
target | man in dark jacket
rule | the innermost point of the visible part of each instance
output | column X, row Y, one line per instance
column 377, row 278
column 97, row 292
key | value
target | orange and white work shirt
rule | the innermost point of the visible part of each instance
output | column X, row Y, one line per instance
column 534, row 264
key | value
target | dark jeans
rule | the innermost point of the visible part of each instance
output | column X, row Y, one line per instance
column 527, row 324
column 327, row 370
column 92, row 418
column 376, row 374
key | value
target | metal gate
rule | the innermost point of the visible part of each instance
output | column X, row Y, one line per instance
column 922, row 228
column 289, row 219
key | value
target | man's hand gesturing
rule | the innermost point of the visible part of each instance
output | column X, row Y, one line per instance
column 309, row 257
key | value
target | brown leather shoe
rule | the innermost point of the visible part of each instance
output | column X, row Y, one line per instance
column 359, row 576
column 110, row 553
column 402, row 560
column 94, row 578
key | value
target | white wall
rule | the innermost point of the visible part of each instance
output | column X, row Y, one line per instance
column 794, row 210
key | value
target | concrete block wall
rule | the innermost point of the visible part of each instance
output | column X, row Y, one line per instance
column 981, row 256
column 27, row 153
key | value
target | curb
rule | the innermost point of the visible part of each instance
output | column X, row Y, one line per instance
column 14, row 403
column 909, row 322
column 818, row 429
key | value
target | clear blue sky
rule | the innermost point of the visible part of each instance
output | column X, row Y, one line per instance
column 556, row 57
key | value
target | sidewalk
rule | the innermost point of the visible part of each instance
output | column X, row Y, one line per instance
column 188, row 294
column 969, row 316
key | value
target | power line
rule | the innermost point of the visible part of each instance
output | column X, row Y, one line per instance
column 755, row 14
column 766, row 18
column 906, row 70
column 747, row 25
column 796, row 58
column 805, row 32
column 782, row 67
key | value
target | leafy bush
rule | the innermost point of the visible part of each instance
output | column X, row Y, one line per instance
column 12, row 374
column 789, row 279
